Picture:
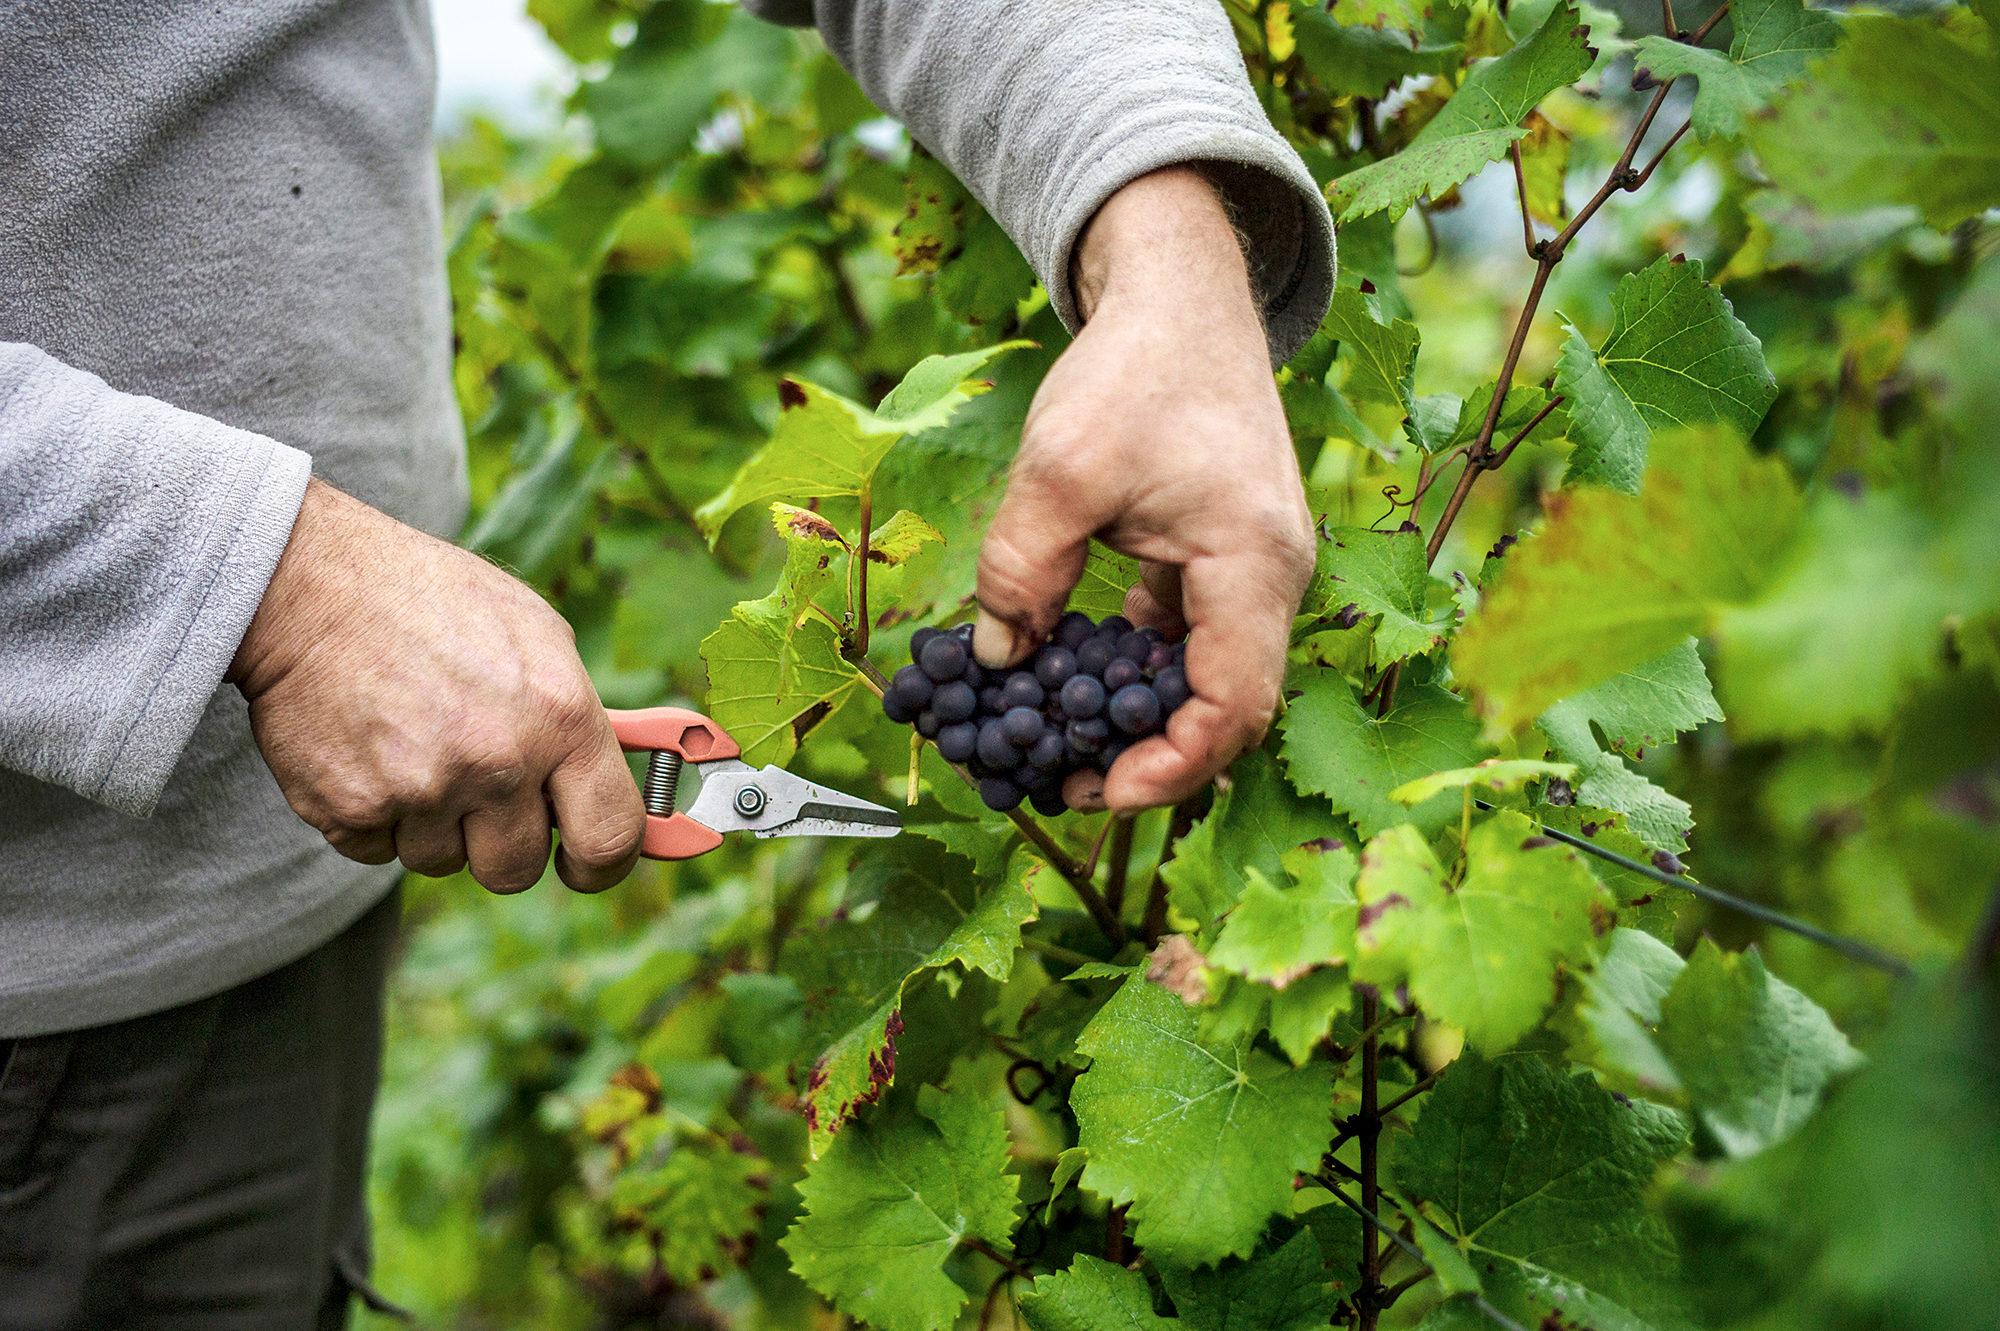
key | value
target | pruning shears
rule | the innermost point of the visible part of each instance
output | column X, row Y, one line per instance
column 734, row 796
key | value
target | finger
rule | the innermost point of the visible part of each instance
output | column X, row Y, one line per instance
column 368, row 845
column 1156, row 601
column 1030, row 561
column 598, row 809
column 507, row 844
column 431, row 843
column 1084, row 791
column 1239, row 610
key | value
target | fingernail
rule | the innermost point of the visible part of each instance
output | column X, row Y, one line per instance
column 992, row 641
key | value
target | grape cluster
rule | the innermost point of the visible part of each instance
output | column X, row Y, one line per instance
column 1083, row 698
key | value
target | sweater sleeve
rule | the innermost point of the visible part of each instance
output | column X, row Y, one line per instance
column 136, row 541
column 1045, row 108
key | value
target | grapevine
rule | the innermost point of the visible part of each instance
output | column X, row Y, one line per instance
column 1604, row 935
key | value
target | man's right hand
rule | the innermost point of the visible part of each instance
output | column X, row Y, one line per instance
column 416, row 702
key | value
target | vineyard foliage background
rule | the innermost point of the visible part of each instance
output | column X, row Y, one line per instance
column 1142, row 1075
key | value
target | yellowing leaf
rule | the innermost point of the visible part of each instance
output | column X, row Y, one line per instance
column 827, row 445
column 1481, row 954
column 1614, row 580
column 1496, row 774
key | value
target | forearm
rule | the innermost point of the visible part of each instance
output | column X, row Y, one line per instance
column 139, row 540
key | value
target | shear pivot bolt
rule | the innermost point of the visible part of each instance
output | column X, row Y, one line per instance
column 750, row 801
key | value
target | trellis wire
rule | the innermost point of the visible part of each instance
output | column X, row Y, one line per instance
column 1850, row 947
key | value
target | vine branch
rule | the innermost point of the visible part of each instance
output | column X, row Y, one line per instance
column 1481, row 457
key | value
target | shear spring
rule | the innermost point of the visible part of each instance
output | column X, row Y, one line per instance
column 663, row 779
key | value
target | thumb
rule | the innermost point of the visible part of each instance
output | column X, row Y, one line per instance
column 1031, row 560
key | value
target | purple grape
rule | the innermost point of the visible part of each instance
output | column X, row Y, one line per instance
column 1022, row 689
column 975, row 674
column 954, row 702
column 893, row 708
column 1134, row 646
column 1151, row 634
column 1134, row 709
column 912, row 687
column 1121, row 672
column 1082, row 698
column 1054, row 666
column 1159, row 658
column 955, row 743
column 1110, row 754
column 918, row 639
column 1024, row 726
column 1093, row 656
column 944, row 658
column 999, row 794
column 1117, row 626
column 995, row 749
column 1049, row 803
column 1048, row 750
column 1170, row 686
column 928, row 724
column 1029, row 777
column 991, row 701
column 1074, row 629
column 1088, row 736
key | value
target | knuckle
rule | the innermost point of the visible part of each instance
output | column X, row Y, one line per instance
column 608, row 845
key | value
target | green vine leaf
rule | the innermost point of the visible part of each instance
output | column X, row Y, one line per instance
column 1612, row 581
column 1540, row 1178
column 826, row 445
column 1200, row 1140
column 853, row 974
column 1277, row 934
column 1385, row 574
column 1481, row 954
column 1335, row 747
column 1643, row 903
column 1676, row 356
column 1475, row 126
column 893, row 1199
column 1364, row 61
column 1092, row 1295
column 1658, row 819
column 1499, row 775
column 1286, row 1288
column 1610, row 1028
column 1753, row 1053
column 1776, row 41
column 1861, row 1218
column 768, row 684
column 705, row 1194
column 1380, row 355
column 1918, row 110
column 1255, row 821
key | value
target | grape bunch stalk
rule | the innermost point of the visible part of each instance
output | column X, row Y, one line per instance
column 1084, row 697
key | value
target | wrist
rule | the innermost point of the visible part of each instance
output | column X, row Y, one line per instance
column 293, row 591
column 1164, row 236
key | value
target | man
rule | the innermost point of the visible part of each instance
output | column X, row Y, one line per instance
column 233, row 696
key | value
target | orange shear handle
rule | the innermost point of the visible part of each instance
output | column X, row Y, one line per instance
column 671, row 736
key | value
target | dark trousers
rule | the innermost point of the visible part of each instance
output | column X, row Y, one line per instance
column 200, row 1169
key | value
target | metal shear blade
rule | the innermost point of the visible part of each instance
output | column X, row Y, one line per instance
column 769, row 802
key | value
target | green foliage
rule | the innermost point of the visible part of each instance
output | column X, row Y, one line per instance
column 791, row 1083
column 1918, row 106
column 1475, row 126
column 1201, row 1141
column 1775, row 43
column 894, row 1198
column 1676, row 357
column 1481, row 953
column 1540, row 1180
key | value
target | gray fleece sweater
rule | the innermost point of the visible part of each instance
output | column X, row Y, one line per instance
column 221, row 269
